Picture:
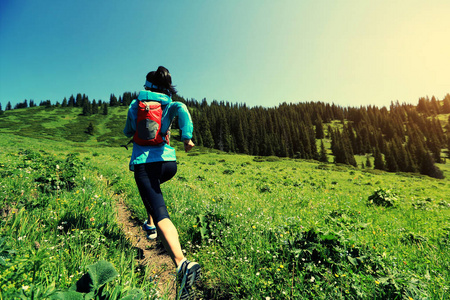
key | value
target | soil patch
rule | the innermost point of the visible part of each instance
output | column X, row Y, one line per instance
column 151, row 254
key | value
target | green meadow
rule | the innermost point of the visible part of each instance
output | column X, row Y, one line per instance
column 261, row 227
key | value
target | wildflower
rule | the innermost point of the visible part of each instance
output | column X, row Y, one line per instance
column 254, row 227
column 195, row 226
column 409, row 298
column 92, row 219
column 281, row 266
column 25, row 287
column 377, row 282
column 312, row 279
column 60, row 228
column 336, row 275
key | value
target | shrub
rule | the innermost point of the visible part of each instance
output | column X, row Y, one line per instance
column 382, row 198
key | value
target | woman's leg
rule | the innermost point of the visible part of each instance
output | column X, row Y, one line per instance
column 170, row 240
column 148, row 179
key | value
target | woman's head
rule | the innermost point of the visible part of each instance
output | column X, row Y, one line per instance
column 160, row 81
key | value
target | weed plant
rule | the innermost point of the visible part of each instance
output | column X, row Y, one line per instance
column 261, row 228
column 58, row 218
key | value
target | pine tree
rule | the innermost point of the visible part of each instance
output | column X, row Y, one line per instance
column 368, row 163
column 323, row 153
column 94, row 107
column 391, row 164
column 113, row 100
column 1, row 110
column 105, row 109
column 422, row 106
column 79, row 100
column 319, row 129
column 8, row 106
column 90, row 129
column 378, row 162
column 87, row 108
column 71, row 101
column 64, row 103
column 427, row 166
column 446, row 105
column 205, row 132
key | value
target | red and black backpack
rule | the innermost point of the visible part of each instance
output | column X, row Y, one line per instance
column 148, row 127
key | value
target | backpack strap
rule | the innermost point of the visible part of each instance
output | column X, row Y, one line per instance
column 126, row 146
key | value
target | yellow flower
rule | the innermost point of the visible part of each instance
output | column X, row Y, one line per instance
column 281, row 266
column 195, row 226
column 254, row 227
column 377, row 282
column 409, row 298
column 336, row 275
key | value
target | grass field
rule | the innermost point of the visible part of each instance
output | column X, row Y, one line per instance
column 262, row 228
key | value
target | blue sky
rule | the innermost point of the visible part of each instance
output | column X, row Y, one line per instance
column 257, row 52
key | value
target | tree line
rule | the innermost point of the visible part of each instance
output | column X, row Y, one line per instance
column 80, row 100
column 403, row 138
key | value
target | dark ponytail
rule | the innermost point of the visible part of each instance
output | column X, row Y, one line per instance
column 163, row 80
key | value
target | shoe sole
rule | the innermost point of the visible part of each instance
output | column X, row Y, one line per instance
column 193, row 271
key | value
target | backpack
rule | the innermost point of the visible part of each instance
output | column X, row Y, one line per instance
column 148, row 126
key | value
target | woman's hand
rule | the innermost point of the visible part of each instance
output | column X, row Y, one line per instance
column 188, row 145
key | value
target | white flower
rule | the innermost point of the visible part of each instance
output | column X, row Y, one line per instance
column 25, row 287
column 60, row 227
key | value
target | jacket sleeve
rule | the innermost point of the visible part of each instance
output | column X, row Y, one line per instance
column 184, row 119
column 130, row 125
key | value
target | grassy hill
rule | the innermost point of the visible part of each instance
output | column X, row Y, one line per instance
column 264, row 228
column 65, row 123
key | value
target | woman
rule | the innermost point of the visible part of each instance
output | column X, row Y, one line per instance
column 153, row 165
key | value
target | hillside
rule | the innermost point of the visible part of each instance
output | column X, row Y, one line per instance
column 66, row 124
column 261, row 227
column 405, row 138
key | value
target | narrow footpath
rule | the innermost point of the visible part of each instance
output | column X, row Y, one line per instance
column 150, row 254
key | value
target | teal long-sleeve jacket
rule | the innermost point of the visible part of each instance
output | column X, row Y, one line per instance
column 164, row 152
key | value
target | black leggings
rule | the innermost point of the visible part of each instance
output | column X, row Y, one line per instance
column 148, row 179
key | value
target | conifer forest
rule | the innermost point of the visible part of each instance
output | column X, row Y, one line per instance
column 400, row 138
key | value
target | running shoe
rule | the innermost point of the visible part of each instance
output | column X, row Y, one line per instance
column 187, row 276
column 150, row 230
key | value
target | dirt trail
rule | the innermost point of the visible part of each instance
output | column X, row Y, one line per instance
column 151, row 254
